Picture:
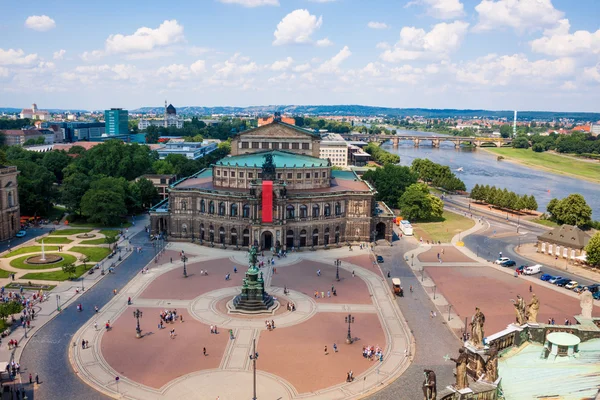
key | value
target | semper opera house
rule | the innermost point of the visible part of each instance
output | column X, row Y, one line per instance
column 273, row 191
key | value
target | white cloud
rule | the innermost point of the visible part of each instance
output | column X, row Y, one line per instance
column 373, row 69
column 441, row 9
column 415, row 43
column 332, row 65
column 40, row 23
column 282, row 65
column 59, row 55
column 92, row 55
column 559, row 42
column 198, row 67
column 175, row 72
column 494, row 70
column 592, row 73
column 124, row 72
column 302, row 67
column 16, row 57
column 296, row 27
column 407, row 74
column 517, row 14
column 96, row 74
column 143, row 40
column 252, row 3
column 568, row 85
column 383, row 45
column 197, row 51
column 378, row 25
column 235, row 66
column 324, row 43
column 3, row 72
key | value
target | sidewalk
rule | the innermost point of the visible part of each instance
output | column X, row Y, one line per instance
column 63, row 295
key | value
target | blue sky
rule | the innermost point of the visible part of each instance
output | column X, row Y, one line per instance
column 493, row 54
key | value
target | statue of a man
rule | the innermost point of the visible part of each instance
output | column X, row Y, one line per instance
column 491, row 365
column 429, row 385
column 252, row 256
column 477, row 322
column 532, row 309
column 520, row 310
column 461, row 369
column 587, row 303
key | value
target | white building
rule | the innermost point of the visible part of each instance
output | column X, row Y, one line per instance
column 595, row 129
column 34, row 113
column 334, row 148
column 170, row 119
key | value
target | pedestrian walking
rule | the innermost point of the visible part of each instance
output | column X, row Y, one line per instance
column 95, row 325
column 530, row 289
column 30, row 378
column 326, row 350
column 204, row 351
column 411, row 289
column 318, row 272
column 37, row 379
column 335, row 348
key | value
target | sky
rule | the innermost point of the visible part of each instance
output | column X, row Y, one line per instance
column 480, row 54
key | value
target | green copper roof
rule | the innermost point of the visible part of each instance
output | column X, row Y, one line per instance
column 350, row 175
column 280, row 159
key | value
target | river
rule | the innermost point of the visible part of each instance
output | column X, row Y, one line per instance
column 483, row 168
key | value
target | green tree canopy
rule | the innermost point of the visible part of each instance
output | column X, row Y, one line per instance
column 390, row 181
column 103, row 206
column 572, row 210
column 593, row 250
column 415, row 203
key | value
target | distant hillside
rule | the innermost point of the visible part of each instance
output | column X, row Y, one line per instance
column 10, row 110
column 368, row 111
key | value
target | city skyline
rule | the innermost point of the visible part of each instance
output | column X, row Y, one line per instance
column 475, row 54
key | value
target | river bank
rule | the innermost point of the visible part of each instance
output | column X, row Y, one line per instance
column 554, row 163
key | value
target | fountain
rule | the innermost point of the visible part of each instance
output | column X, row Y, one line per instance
column 253, row 298
column 43, row 259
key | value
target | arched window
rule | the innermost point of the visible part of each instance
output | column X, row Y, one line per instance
column 327, row 209
column 315, row 238
column 233, row 236
column 183, row 205
column 290, row 212
column 211, row 207
column 234, row 210
column 202, row 206
column 337, row 234
column 326, row 237
column 302, row 238
column 10, row 199
column 211, row 233
column 246, row 237
column 315, row 211
column 338, row 208
column 303, row 211
column 221, row 208
column 221, row 235
column 246, row 211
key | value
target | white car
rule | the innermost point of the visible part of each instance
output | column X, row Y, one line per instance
column 571, row 285
column 501, row 260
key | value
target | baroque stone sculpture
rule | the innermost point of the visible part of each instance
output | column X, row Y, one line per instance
column 253, row 296
column 477, row 322
column 429, row 385
column 461, row 369
column 520, row 310
column 532, row 309
column 587, row 303
column 491, row 365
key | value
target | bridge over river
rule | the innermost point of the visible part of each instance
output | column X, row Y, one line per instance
column 431, row 140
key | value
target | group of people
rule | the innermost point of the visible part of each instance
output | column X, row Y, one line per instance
column 12, row 343
column 373, row 353
column 291, row 306
column 168, row 316
column 13, row 369
column 270, row 324
column 329, row 293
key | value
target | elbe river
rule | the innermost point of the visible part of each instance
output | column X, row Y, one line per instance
column 482, row 167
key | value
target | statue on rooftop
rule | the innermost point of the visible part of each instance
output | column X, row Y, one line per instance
column 477, row 322
column 268, row 167
column 520, row 310
column 491, row 365
column 587, row 303
column 532, row 309
column 461, row 369
column 429, row 385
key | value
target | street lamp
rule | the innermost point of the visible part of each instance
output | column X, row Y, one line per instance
column 434, row 291
column 449, row 308
column 184, row 259
column 137, row 314
column 412, row 260
column 58, row 303
column 254, row 357
column 422, row 271
column 349, row 320
column 337, row 271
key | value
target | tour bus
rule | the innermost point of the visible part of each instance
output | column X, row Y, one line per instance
column 406, row 227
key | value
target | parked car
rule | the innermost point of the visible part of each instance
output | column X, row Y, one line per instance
column 546, row 277
column 571, row 285
column 562, row 282
column 380, row 259
column 521, row 269
column 501, row 260
column 596, row 295
column 508, row 263
column 532, row 270
column 578, row 289
column 21, row 234
column 593, row 288
column 555, row 279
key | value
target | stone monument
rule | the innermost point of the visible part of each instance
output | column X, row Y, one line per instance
column 253, row 297
column 462, row 381
column 429, row 385
column 532, row 310
column 477, row 333
column 587, row 303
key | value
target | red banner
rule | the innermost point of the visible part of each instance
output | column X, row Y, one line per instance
column 267, row 201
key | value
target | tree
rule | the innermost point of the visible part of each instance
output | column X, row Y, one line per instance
column 390, row 181
column 573, row 210
column 69, row 269
column 148, row 193
column 162, row 167
column 36, row 188
column 152, row 134
column 532, row 204
column 506, row 131
column 520, row 143
column 103, row 206
column 551, row 207
column 56, row 162
column 437, row 206
column 73, row 188
column 592, row 250
column 415, row 202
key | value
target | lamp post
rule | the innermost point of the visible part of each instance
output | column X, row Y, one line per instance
column 349, row 320
column 412, row 260
column 254, row 357
column 374, row 236
column 58, row 303
column 422, row 271
column 137, row 314
column 337, row 271
column 449, row 308
column 434, row 291
column 184, row 259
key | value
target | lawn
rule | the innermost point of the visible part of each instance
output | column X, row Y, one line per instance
column 93, row 241
column 20, row 262
column 29, row 249
column 552, row 162
column 109, row 232
column 4, row 274
column 545, row 222
column 54, row 240
column 67, row 232
column 56, row 275
column 444, row 229
column 94, row 253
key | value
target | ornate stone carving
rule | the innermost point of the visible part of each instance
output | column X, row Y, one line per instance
column 477, row 334
column 462, row 381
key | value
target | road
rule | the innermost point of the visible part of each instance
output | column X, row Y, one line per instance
column 484, row 244
column 47, row 352
column 32, row 233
